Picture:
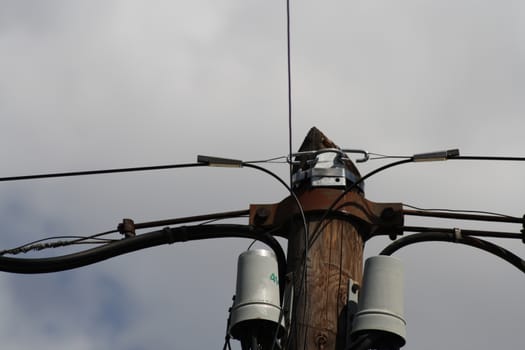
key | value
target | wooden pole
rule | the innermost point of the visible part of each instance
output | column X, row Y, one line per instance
column 320, row 294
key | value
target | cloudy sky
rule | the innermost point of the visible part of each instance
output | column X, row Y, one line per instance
column 103, row 84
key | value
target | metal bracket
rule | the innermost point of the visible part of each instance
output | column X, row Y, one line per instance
column 326, row 168
column 327, row 177
column 351, row 309
column 376, row 218
column 365, row 154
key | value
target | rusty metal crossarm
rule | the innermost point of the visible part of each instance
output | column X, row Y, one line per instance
column 377, row 218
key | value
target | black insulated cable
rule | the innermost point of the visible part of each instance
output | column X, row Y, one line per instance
column 464, row 216
column 477, row 233
column 456, row 237
column 147, row 240
column 502, row 158
column 185, row 220
column 99, row 172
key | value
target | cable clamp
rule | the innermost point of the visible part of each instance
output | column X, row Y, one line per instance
column 366, row 155
column 457, row 235
column 219, row 162
column 170, row 236
column 436, row 156
column 523, row 231
column 127, row 228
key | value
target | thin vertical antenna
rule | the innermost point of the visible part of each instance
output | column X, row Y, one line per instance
column 304, row 277
column 289, row 88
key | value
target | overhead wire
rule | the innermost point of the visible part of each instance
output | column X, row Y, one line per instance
column 99, row 172
column 199, row 164
column 456, row 238
column 71, row 240
column 478, row 233
column 379, row 156
column 289, row 80
column 85, row 240
column 471, row 216
column 188, row 219
column 303, row 219
column 513, row 259
column 95, row 238
column 442, row 155
column 151, row 239
column 269, row 160
column 290, row 151
column 220, row 219
column 498, row 158
column 270, row 232
column 457, row 211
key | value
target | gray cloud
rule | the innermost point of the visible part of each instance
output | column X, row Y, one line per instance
column 120, row 83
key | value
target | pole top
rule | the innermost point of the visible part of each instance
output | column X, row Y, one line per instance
column 321, row 163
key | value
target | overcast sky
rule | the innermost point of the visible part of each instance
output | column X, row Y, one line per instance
column 99, row 84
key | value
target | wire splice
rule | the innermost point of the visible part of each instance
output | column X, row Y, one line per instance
column 436, row 156
column 220, row 162
column 457, row 234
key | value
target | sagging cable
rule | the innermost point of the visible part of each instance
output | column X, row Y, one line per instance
column 456, row 237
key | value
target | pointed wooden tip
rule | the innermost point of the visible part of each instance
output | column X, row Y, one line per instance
column 315, row 140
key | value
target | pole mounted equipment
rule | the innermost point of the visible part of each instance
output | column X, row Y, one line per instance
column 380, row 308
column 256, row 312
column 325, row 168
column 310, row 301
column 328, row 253
column 319, row 184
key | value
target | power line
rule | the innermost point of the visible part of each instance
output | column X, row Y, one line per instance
column 497, row 158
column 465, row 215
column 478, row 233
column 417, row 157
column 71, row 240
column 99, row 172
column 456, row 211
column 146, row 240
column 289, row 70
column 456, row 238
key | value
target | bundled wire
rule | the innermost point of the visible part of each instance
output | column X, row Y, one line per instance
column 147, row 240
column 59, row 241
column 456, row 237
column 108, row 248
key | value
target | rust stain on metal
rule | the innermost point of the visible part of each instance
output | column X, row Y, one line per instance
column 378, row 218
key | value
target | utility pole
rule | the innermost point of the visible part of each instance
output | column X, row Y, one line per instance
column 334, row 258
column 333, row 243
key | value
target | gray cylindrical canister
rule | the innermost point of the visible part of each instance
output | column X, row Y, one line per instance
column 257, row 303
column 380, row 306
